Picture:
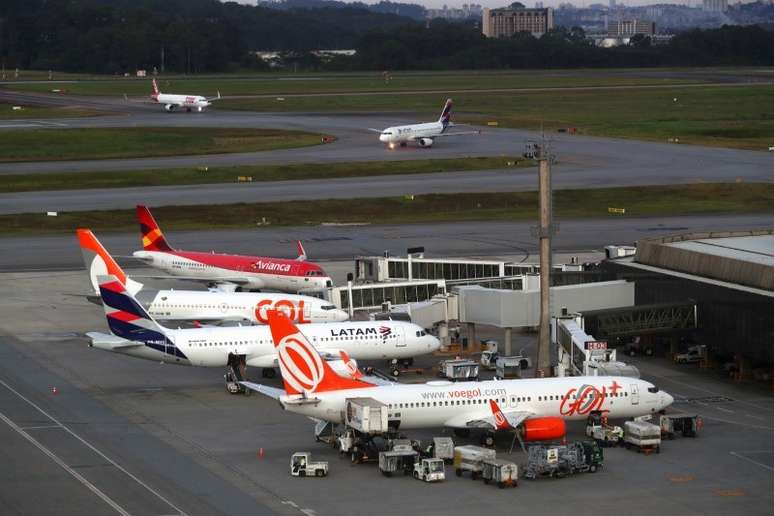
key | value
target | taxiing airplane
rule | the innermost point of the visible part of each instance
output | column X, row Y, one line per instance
column 134, row 332
column 421, row 134
column 228, row 271
column 187, row 102
column 539, row 407
column 205, row 306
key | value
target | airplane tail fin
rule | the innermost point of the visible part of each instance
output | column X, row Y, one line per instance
column 501, row 422
column 126, row 318
column 446, row 113
column 152, row 237
column 98, row 262
column 156, row 91
column 302, row 368
column 301, row 251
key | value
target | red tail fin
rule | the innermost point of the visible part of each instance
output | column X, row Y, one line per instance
column 156, row 91
column 301, row 251
column 501, row 422
column 152, row 237
column 98, row 262
column 303, row 369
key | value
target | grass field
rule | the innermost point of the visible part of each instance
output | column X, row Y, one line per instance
column 188, row 176
column 723, row 116
column 63, row 144
column 650, row 201
column 278, row 84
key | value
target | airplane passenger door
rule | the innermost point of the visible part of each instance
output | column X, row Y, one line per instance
column 635, row 395
column 400, row 337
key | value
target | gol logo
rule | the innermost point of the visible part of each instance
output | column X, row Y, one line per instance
column 302, row 368
column 499, row 420
column 294, row 313
column 588, row 399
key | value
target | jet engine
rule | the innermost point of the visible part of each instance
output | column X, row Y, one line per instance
column 169, row 107
column 425, row 142
column 542, row 429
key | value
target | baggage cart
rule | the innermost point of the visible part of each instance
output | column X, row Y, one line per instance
column 642, row 436
column 400, row 461
column 471, row 458
column 687, row 425
column 501, row 472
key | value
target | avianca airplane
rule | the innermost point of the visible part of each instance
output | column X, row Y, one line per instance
column 538, row 406
column 205, row 306
column 134, row 332
column 421, row 134
column 189, row 102
column 227, row 271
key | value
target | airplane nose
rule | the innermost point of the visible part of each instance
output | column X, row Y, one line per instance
column 667, row 400
column 341, row 316
column 435, row 344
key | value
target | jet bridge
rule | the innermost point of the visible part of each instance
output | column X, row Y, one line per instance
column 580, row 354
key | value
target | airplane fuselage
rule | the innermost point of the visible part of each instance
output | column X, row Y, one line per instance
column 409, row 133
column 211, row 346
column 250, row 307
column 447, row 404
column 196, row 102
column 250, row 272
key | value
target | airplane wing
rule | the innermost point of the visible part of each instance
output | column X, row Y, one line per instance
column 486, row 419
column 227, row 284
column 106, row 340
column 460, row 133
column 271, row 392
column 374, row 130
column 210, row 99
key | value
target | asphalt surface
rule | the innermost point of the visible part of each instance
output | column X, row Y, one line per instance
column 161, row 439
column 485, row 239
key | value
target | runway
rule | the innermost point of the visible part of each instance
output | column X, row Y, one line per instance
column 484, row 239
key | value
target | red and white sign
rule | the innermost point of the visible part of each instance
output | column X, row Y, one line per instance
column 596, row 344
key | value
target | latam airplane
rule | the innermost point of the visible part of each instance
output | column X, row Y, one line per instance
column 227, row 271
column 539, row 407
column 189, row 102
column 421, row 134
column 205, row 306
column 134, row 332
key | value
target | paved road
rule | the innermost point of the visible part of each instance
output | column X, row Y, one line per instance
column 485, row 239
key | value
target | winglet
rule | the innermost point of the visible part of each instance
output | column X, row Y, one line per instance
column 301, row 251
column 351, row 365
column 302, row 368
column 152, row 237
column 501, row 422
column 98, row 262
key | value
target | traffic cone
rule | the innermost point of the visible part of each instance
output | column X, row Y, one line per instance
column 54, row 390
column 260, row 453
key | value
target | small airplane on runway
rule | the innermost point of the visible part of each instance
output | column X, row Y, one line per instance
column 421, row 134
column 538, row 407
column 133, row 331
column 205, row 306
column 228, row 271
column 188, row 102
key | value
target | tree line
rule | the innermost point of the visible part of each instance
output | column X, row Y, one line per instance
column 196, row 36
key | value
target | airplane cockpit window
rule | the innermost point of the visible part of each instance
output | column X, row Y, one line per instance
column 328, row 307
column 653, row 389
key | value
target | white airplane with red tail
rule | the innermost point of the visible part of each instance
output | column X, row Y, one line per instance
column 201, row 305
column 187, row 102
column 537, row 407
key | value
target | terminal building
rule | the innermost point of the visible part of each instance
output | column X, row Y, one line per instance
column 729, row 276
column 507, row 21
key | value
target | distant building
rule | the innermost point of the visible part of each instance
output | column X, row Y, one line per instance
column 467, row 11
column 625, row 28
column 505, row 22
column 715, row 6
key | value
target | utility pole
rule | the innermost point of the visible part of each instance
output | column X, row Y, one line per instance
column 542, row 154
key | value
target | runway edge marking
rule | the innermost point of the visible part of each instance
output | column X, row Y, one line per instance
column 92, row 448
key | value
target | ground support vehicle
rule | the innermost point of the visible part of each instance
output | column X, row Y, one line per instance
column 301, row 465
column 361, row 447
column 605, row 435
column 397, row 461
column 693, row 355
column 557, row 461
column 509, row 367
column 642, row 436
column 501, row 472
column 471, row 458
column 687, row 425
column 441, row 448
column 458, row 369
column 430, row 470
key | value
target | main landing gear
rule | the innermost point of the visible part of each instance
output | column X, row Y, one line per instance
column 235, row 373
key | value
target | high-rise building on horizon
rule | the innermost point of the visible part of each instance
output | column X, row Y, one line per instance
column 507, row 21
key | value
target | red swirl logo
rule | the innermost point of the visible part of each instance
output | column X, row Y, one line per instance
column 302, row 367
column 582, row 401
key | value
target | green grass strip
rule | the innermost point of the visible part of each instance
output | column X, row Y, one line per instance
column 646, row 201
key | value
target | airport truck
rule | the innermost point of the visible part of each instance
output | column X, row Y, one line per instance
column 604, row 434
column 458, row 370
column 430, row 470
column 365, row 430
column 501, row 472
column 557, row 461
column 642, row 436
column 471, row 458
column 397, row 461
column 687, row 425
column 301, row 465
